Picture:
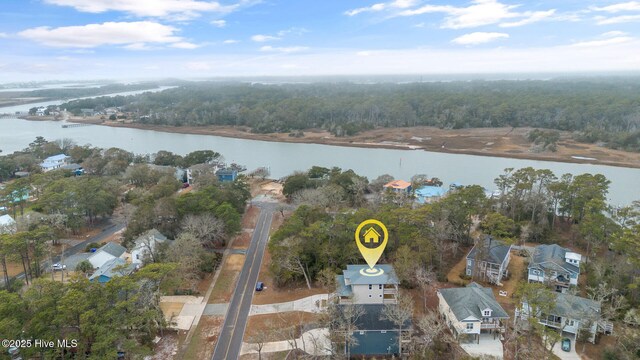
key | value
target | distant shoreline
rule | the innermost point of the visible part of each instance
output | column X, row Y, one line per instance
column 512, row 142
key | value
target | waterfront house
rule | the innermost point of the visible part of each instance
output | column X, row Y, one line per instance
column 428, row 194
column 227, row 175
column 555, row 266
column 488, row 260
column 7, row 225
column 54, row 162
column 399, row 186
column 471, row 310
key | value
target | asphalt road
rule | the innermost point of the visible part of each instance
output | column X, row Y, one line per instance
column 235, row 322
column 107, row 231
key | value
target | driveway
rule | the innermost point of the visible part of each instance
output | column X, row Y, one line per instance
column 314, row 342
column 571, row 355
column 312, row 304
column 488, row 346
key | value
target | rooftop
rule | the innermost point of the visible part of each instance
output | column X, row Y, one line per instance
column 353, row 276
column 55, row 158
column 154, row 234
column 575, row 306
column 113, row 249
column 113, row 267
column 397, row 184
column 552, row 257
column 470, row 301
column 496, row 251
column 430, row 191
column 6, row 220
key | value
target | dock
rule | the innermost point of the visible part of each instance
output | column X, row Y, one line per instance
column 65, row 126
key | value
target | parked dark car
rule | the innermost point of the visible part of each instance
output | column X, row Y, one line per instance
column 259, row 286
column 566, row 344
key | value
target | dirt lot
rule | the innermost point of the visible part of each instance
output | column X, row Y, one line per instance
column 204, row 339
column 224, row 287
column 279, row 327
column 503, row 142
column 453, row 276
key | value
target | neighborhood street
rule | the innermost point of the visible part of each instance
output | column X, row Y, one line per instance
column 230, row 340
column 107, row 231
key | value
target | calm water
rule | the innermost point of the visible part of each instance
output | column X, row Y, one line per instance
column 285, row 158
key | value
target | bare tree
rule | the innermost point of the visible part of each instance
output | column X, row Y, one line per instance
column 208, row 229
column 185, row 252
column 292, row 259
column 400, row 315
column 342, row 322
column 432, row 329
column 425, row 277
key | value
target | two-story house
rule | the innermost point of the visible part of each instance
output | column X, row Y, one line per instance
column 554, row 265
column 471, row 310
column 570, row 314
column 488, row 260
column 374, row 335
column 54, row 162
column 145, row 248
column 398, row 186
column 355, row 286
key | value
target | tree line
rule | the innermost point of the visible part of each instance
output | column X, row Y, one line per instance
column 596, row 110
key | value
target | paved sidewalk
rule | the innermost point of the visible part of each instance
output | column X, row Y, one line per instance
column 314, row 342
column 215, row 309
column 312, row 304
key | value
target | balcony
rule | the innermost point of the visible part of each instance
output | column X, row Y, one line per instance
column 551, row 323
column 490, row 326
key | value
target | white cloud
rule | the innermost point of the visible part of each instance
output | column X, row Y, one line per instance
column 219, row 23
column 480, row 13
column 198, row 66
column 602, row 20
column 292, row 31
column 176, row 9
column 479, row 38
column 604, row 42
column 132, row 34
column 3, row 35
column 264, row 38
column 613, row 33
column 397, row 4
column 531, row 18
column 184, row 45
column 230, row 41
column 625, row 6
column 289, row 49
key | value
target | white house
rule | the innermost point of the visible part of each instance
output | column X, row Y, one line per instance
column 488, row 260
column 54, row 162
column 107, row 252
column 570, row 313
column 554, row 265
column 7, row 225
column 145, row 247
column 354, row 286
column 471, row 310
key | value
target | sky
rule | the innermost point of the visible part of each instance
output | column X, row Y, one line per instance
column 140, row 39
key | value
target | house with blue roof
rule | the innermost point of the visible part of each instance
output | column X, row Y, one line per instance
column 429, row 193
column 112, row 268
column 374, row 334
column 227, row 175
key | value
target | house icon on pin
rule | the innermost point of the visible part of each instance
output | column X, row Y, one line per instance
column 371, row 235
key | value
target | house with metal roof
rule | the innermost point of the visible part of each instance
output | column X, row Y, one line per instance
column 7, row 225
column 428, row 194
column 488, row 260
column 227, row 175
column 355, row 286
column 554, row 265
column 471, row 310
column 112, row 268
column 374, row 334
column 106, row 253
column 571, row 314
column 54, row 162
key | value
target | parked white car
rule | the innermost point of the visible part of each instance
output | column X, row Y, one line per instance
column 58, row 267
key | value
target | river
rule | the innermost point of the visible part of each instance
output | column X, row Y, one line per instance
column 285, row 158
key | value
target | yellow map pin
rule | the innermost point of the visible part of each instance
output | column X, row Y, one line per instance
column 371, row 237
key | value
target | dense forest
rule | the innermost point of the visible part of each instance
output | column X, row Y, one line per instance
column 596, row 110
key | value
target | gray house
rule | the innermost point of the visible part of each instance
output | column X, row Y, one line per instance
column 471, row 310
column 375, row 335
column 572, row 314
column 488, row 260
column 554, row 265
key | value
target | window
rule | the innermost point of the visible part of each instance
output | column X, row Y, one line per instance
column 469, row 326
column 569, row 322
column 469, row 272
column 380, row 287
column 370, row 286
column 361, row 332
column 369, row 295
column 383, row 331
column 486, row 313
